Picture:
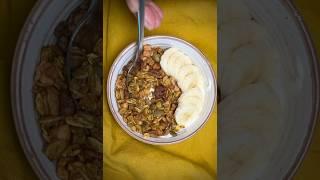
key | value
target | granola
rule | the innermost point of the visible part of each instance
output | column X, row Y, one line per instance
column 70, row 115
column 147, row 102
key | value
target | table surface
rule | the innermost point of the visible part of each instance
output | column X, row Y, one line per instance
column 12, row 160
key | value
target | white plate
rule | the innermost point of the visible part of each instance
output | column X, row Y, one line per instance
column 198, row 59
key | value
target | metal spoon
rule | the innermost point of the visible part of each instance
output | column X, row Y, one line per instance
column 140, row 15
column 93, row 6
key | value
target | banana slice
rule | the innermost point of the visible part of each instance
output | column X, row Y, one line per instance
column 165, row 58
column 194, row 101
column 191, row 80
column 248, row 120
column 185, row 115
column 196, row 92
column 244, row 67
column 190, row 105
column 179, row 62
column 239, row 33
column 185, row 70
column 168, row 53
column 172, row 61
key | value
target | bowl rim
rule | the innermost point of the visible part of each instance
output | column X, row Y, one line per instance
column 113, row 111
column 39, row 8
column 15, row 81
column 314, row 64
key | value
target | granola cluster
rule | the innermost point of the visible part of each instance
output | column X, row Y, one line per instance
column 148, row 99
column 70, row 114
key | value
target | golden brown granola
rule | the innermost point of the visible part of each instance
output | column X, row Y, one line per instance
column 148, row 100
column 70, row 117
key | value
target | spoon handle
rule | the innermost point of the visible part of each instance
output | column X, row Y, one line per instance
column 91, row 9
column 140, row 15
column 140, row 26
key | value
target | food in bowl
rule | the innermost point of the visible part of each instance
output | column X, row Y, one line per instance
column 198, row 59
column 269, row 83
column 70, row 113
column 189, row 78
column 159, row 97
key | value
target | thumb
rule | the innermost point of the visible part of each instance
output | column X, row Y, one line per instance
column 153, row 14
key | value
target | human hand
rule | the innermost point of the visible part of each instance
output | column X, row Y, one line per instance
column 153, row 14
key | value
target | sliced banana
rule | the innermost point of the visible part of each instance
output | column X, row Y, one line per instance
column 190, row 81
column 243, row 67
column 165, row 58
column 239, row 33
column 172, row 62
column 168, row 53
column 193, row 101
column 190, row 105
column 189, row 78
column 197, row 92
column 181, row 61
column 249, row 119
column 185, row 115
column 185, row 70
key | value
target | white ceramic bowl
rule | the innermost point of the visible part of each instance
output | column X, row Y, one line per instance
column 198, row 59
column 299, row 100
column 37, row 32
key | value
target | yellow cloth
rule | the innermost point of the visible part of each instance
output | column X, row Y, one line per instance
column 14, row 165
column 128, row 159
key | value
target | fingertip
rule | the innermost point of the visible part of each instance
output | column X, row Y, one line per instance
column 133, row 5
column 156, row 9
column 150, row 18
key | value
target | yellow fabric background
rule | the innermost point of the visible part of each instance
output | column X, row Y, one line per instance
column 128, row 159
column 14, row 165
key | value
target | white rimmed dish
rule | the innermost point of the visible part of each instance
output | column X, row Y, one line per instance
column 38, row 31
column 280, row 157
column 197, row 58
